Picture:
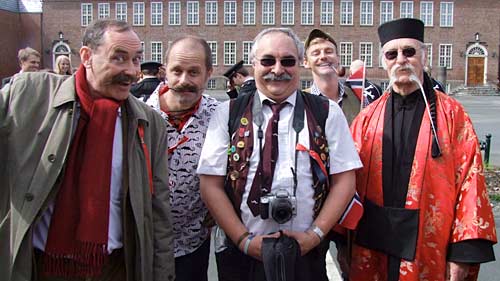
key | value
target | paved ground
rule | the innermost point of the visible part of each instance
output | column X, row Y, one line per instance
column 485, row 114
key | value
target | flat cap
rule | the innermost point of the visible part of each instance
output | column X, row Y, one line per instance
column 316, row 33
column 150, row 65
column 401, row 28
column 232, row 71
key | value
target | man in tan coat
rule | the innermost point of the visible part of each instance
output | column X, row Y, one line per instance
column 84, row 180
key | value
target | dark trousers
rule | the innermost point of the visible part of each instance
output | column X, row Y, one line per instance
column 234, row 265
column 193, row 266
column 114, row 270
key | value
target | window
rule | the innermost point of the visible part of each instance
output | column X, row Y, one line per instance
column 346, row 12
column 211, row 13
column 366, row 53
column 143, row 51
column 121, row 11
column 229, row 12
column 248, row 12
column 307, row 8
column 156, row 13
column 429, row 54
column 287, row 7
column 445, row 56
column 268, row 12
column 138, row 13
column 157, row 51
column 229, row 52
column 305, row 84
column 193, row 13
column 384, row 85
column 103, row 10
column 247, row 47
column 446, row 12
column 345, row 53
column 86, row 13
column 211, row 84
column 326, row 12
column 406, row 9
column 174, row 13
column 213, row 47
column 366, row 13
column 426, row 11
column 386, row 11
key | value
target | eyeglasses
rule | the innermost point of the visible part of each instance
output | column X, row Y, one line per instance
column 407, row 52
column 270, row 61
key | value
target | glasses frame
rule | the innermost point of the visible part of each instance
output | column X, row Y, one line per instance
column 272, row 61
column 408, row 52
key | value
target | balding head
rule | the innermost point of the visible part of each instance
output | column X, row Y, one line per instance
column 355, row 65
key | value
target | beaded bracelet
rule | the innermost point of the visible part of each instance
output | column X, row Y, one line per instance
column 247, row 243
column 241, row 238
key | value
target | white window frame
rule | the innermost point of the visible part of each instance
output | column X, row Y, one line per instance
column 268, row 12
column 366, row 13
column 429, row 54
column 138, row 10
column 344, row 55
column 230, row 10
column 427, row 18
column 157, row 55
column 211, row 11
column 245, row 51
column 229, row 54
column 249, row 11
column 121, row 11
column 307, row 12
column 211, row 84
column 305, row 84
column 192, row 13
column 446, row 11
column 446, row 58
column 143, row 57
column 156, row 13
column 86, row 12
column 174, row 13
column 346, row 12
column 103, row 10
column 327, row 11
column 287, row 12
column 386, row 11
column 213, row 48
column 406, row 9
column 366, row 53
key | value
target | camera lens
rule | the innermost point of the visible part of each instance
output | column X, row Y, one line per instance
column 282, row 210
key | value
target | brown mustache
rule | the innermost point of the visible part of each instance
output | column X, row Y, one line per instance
column 185, row 88
column 123, row 78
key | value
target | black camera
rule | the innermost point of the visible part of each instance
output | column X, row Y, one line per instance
column 280, row 204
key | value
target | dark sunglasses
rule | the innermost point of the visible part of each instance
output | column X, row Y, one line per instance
column 270, row 61
column 407, row 52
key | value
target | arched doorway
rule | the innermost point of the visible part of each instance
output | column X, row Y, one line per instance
column 476, row 62
column 60, row 48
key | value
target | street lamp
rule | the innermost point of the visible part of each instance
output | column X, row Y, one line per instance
column 476, row 36
column 61, row 36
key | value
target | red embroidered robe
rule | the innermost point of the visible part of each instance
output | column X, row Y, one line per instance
column 449, row 190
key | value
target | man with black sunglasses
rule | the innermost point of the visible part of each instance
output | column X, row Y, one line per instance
column 427, row 215
column 322, row 58
column 276, row 173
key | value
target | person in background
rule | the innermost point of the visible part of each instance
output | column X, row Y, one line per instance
column 29, row 61
column 238, row 76
column 63, row 65
column 149, row 82
column 427, row 214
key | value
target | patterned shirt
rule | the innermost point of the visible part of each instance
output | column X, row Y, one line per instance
column 316, row 91
column 188, row 210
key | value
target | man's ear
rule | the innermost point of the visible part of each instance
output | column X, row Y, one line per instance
column 86, row 56
column 306, row 64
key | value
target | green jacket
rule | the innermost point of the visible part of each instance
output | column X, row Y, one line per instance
column 37, row 119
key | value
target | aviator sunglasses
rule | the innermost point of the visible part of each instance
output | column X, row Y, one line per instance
column 407, row 52
column 270, row 61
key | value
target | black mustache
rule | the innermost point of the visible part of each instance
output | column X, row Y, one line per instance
column 123, row 78
column 185, row 88
column 273, row 77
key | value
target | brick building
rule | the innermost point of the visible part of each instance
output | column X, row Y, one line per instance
column 462, row 36
column 20, row 22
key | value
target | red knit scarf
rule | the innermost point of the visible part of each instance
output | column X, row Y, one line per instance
column 78, row 234
column 179, row 118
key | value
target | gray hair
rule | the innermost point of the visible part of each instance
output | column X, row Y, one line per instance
column 423, row 49
column 94, row 33
column 24, row 54
column 287, row 31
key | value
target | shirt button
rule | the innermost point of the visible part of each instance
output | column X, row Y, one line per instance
column 29, row 196
column 70, row 111
column 52, row 158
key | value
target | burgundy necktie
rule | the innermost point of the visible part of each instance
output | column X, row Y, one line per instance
column 269, row 158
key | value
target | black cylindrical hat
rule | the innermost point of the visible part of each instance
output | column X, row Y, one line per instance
column 401, row 28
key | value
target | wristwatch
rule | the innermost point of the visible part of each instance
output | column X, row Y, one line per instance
column 314, row 228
